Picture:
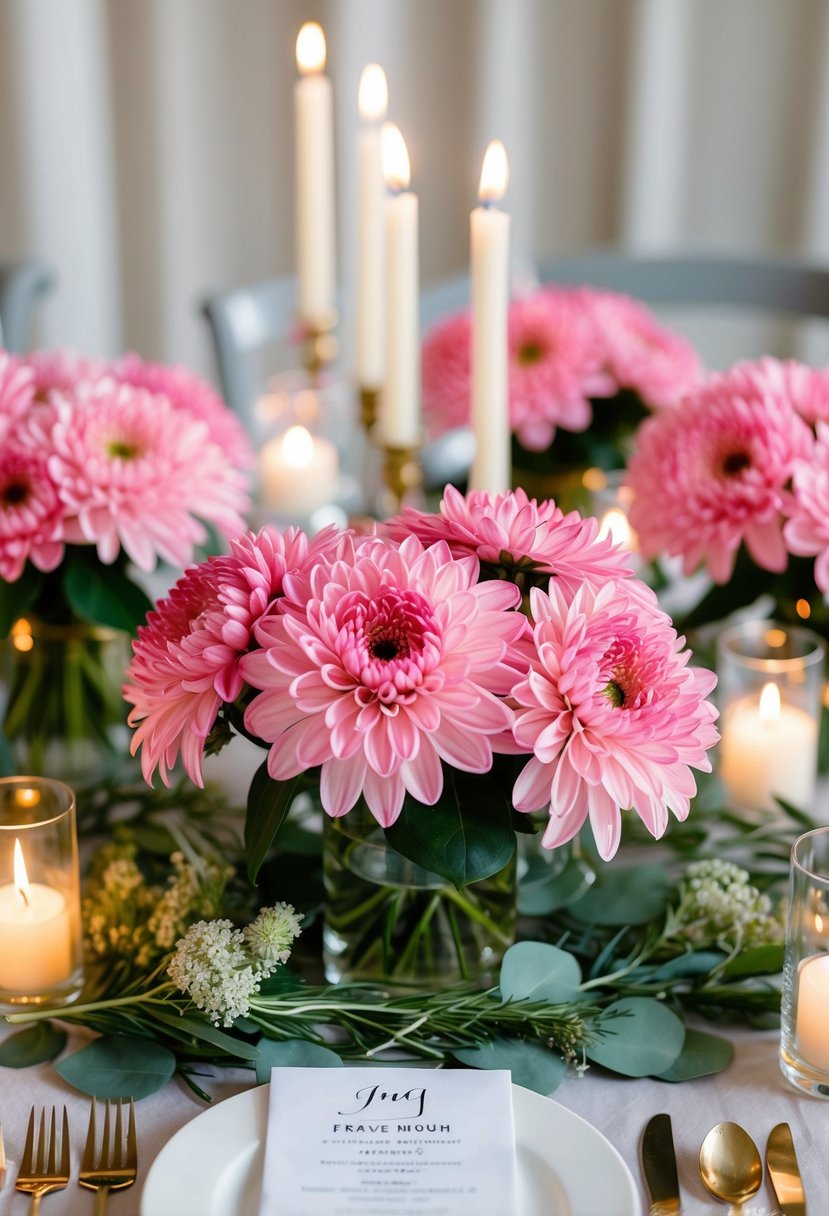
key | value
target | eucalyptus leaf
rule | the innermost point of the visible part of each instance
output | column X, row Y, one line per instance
column 532, row 1066
column 544, row 888
column 465, row 837
column 118, row 1066
column 291, row 1053
column 756, row 960
column 536, row 971
column 626, row 895
column 34, row 1045
column 640, row 1038
column 269, row 802
column 688, row 965
column 702, row 1054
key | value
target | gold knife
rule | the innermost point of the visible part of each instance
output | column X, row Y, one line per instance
column 659, row 1166
column 781, row 1163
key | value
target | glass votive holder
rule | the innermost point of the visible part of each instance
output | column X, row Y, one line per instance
column 41, row 956
column 770, row 678
column 804, row 1038
column 609, row 500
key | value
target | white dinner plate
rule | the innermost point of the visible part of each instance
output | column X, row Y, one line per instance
column 213, row 1165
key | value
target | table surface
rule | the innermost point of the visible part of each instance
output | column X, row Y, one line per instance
column 751, row 1091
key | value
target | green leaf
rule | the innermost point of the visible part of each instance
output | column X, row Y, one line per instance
column 532, row 1066
column 291, row 1053
column 627, row 895
column 269, row 802
column 103, row 595
column 465, row 837
column 544, row 889
column 688, row 965
column 535, row 971
column 37, row 1043
column 121, row 1066
column 757, row 960
column 701, row 1055
column 640, row 1038
column 186, row 1028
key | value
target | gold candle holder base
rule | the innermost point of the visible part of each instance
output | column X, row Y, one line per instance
column 369, row 408
column 402, row 473
column 320, row 342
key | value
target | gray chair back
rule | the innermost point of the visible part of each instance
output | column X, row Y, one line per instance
column 22, row 286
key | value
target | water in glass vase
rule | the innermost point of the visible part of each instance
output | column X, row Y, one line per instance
column 390, row 920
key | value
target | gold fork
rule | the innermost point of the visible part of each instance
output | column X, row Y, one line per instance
column 40, row 1172
column 115, row 1167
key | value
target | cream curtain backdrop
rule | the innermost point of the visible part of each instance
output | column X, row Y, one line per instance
column 147, row 145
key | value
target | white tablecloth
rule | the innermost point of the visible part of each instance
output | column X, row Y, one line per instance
column 751, row 1091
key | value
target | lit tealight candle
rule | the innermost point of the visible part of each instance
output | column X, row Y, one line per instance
column 813, row 1011
column 768, row 748
column 372, row 103
column 489, row 242
column 615, row 524
column 315, row 244
column 399, row 423
column 297, row 472
column 36, row 939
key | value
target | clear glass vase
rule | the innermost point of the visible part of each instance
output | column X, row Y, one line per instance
column 61, row 709
column 387, row 919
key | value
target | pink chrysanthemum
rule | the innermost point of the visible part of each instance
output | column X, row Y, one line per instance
column 392, row 666
column 639, row 353
column 133, row 471
column 446, row 374
column 807, row 532
column 180, row 661
column 186, row 658
column 64, row 370
column 256, row 570
column 714, row 473
column 16, row 391
column 31, row 514
column 515, row 534
column 805, row 388
column 187, row 391
column 554, row 367
column 612, row 714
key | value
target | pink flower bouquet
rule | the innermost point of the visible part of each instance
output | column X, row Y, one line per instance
column 431, row 683
column 105, row 469
column 585, row 367
column 736, row 480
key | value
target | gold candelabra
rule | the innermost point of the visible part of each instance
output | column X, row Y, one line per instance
column 402, row 473
column 320, row 342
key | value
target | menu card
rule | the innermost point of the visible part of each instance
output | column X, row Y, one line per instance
column 389, row 1142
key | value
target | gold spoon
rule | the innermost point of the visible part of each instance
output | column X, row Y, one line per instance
column 730, row 1165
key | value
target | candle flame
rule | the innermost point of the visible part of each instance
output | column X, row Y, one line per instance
column 297, row 447
column 396, row 168
column 21, row 635
column 310, row 49
column 615, row 525
column 26, row 797
column 373, row 97
column 770, row 704
column 818, row 922
column 494, row 173
column 21, row 878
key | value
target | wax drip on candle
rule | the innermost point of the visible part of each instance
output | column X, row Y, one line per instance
column 21, row 878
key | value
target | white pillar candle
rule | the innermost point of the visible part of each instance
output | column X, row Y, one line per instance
column 489, row 241
column 315, row 242
column 813, row 1011
column 768, row 748
column 36, row 940
column 371, row 237
column 297, row 472
column 400, row 424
